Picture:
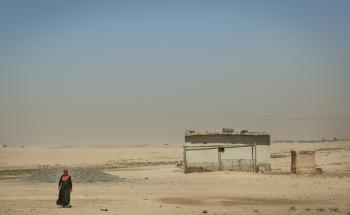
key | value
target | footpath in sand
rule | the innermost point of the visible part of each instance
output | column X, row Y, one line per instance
column 152, row 184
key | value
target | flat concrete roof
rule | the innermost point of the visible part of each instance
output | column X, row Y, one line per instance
column 258, row 138
column 254, row 133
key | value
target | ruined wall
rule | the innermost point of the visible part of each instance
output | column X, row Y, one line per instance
column 305, row 162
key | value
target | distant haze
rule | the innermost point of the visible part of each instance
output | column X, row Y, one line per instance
column 141, row 72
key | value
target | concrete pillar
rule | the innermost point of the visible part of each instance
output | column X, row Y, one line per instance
column 293, row 166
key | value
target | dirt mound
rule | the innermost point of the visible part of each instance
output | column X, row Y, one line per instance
column 78, row 174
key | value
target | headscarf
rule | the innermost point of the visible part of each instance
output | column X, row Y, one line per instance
column 65, row 175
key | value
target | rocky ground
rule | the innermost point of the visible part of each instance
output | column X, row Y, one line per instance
column 78, row 174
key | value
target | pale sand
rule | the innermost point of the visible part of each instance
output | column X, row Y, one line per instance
column 164, row 189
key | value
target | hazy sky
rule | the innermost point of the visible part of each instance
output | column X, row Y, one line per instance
column 105, row 72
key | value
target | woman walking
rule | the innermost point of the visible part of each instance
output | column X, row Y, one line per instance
column 65, row 188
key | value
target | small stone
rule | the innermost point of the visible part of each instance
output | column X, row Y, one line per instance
column 204, row 211
column 103, row 209
column 334, row 210
column 319, row 171
column 292, row 208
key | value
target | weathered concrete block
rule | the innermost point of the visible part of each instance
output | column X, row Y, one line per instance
column 303, row 162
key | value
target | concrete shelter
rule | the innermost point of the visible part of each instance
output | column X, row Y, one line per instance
column 226, row 150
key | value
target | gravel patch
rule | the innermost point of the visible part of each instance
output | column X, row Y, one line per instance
column 78, row 174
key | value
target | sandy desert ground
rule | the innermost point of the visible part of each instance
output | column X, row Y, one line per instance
column 152, row 184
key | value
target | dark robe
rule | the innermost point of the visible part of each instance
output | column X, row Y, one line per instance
column 65, row 186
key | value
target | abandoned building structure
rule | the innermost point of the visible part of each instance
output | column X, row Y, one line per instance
column 226, row 150
column 304, row 162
